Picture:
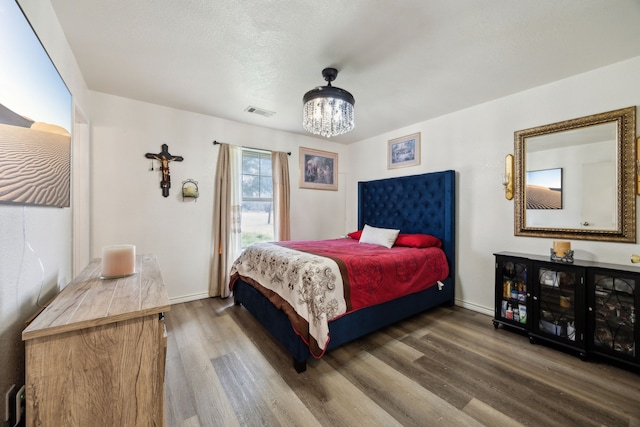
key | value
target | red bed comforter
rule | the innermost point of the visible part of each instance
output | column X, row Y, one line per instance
column 368, row 275
column 376, row 274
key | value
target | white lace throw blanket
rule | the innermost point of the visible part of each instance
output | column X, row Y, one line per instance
column 311, row 284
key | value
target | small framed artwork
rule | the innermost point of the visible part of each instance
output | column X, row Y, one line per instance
column 404, row 151
column 318, row 169
column 544, row 189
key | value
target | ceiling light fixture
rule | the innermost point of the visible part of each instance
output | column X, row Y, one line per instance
column 328, row 110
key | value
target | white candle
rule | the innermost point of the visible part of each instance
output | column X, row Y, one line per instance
column 119, row 260
column 561, row 248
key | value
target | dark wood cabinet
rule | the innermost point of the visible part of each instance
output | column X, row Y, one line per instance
column 612, row 307
column 586, row 307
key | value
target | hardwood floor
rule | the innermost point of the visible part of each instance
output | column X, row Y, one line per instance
column 447, row 367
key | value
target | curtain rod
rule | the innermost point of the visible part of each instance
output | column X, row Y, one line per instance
column 250, row 148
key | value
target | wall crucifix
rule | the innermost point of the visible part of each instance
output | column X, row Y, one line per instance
column 164, row 157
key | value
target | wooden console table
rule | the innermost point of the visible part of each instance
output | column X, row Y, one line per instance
column 96, row 354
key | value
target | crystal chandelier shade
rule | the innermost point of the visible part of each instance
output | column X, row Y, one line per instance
column 328, row 110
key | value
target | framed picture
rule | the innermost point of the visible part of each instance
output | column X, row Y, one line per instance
column 318, row 169
column 404, row 151
column 544, row 189
column 35, row 118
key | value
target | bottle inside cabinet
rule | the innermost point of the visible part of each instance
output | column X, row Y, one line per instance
column 557, row 314
column 615, row 314
column 513, row 304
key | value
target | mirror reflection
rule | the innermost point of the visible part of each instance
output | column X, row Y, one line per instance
column 570, row 178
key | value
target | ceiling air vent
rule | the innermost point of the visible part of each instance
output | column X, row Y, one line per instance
column 259, row 111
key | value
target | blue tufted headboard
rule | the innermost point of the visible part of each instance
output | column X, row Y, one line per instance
column 414, row 204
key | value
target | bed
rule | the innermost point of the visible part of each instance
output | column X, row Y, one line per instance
column 413, row 204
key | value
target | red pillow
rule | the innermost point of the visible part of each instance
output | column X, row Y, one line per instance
column 355, row 235
column 418, row 241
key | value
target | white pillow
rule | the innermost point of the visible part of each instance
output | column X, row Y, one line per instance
column 379, row 236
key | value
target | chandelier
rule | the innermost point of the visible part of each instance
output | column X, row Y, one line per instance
column 328, row 110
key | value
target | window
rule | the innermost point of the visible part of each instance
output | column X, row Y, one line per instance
column 257, row 197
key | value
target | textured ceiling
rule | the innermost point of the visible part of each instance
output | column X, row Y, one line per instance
column 405, row 61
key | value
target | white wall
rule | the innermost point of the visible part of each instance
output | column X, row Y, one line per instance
column 474, row 142
column 45, row 230
column 127, row 202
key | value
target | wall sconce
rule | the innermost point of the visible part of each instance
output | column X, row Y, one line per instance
column 507, row 177
column 190, row 189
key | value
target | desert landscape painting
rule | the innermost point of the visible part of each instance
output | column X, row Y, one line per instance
column 544, row 189
column 35, row 161
column 543, row 197
column 35, row 118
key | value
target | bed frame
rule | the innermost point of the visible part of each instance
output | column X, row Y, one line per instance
column 414, row 204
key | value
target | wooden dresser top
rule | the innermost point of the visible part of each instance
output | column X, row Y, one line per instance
column 90, row 301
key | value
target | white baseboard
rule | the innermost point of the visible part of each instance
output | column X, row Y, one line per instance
column 475, row 307
column 187, row 298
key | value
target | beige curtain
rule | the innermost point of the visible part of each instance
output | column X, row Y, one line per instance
column 281, row 196
column 227, row 206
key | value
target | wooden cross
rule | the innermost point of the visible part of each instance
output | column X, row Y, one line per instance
column 164, row 157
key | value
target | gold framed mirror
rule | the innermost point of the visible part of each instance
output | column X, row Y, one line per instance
column 576, row 179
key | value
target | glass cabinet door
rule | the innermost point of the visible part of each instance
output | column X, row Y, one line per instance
column 511, row 292
column 555, row 304
column 614, row 315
